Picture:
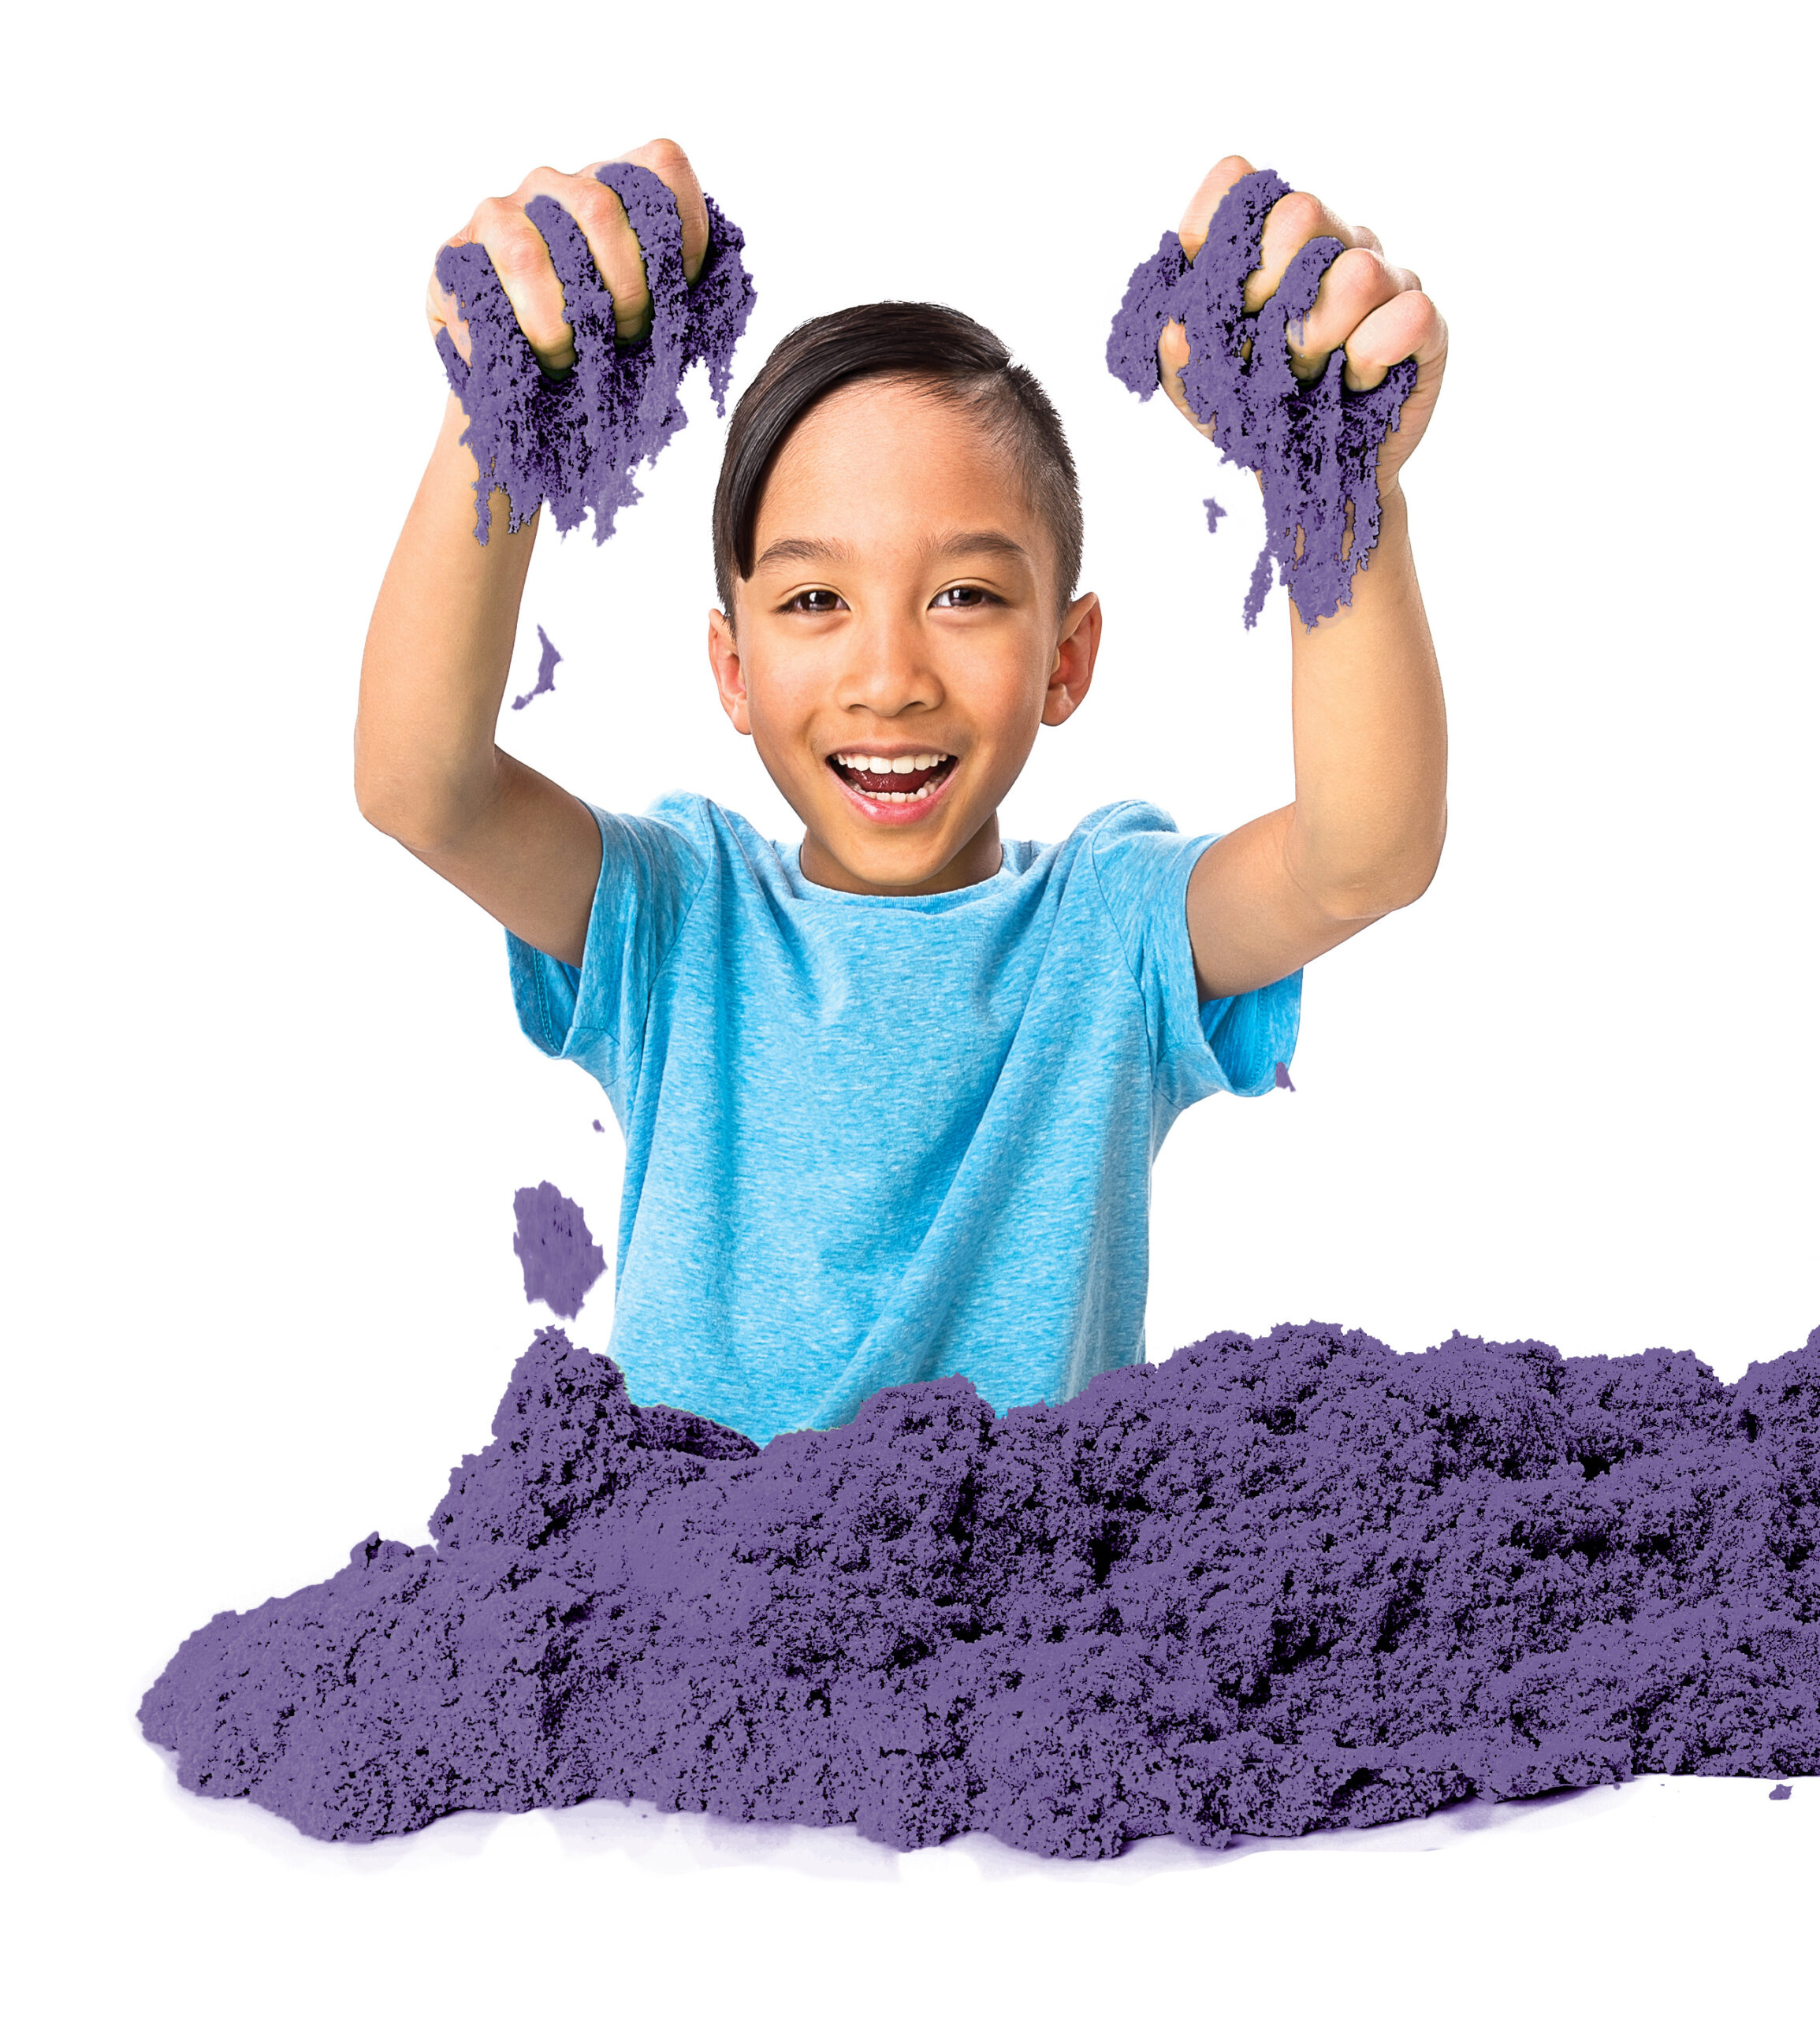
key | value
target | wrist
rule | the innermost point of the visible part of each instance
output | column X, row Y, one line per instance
column 1393, row 519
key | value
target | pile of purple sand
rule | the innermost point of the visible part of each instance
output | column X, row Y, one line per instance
column 1267, row 1586
column 574, row 441
column 1315, row 445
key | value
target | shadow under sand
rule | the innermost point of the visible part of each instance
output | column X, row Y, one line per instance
column 653, row 1836
column 664, row 1843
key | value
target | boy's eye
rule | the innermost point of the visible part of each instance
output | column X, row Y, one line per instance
column 964, row 595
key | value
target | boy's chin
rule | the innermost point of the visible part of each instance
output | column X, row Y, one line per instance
column 885, row 864
column 848, row 850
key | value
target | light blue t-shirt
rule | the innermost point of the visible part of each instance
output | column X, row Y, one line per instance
column 874, row 1140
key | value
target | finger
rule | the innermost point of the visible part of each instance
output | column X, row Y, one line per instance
column 670, row 164
column 1292, row 222
column 444, row 310
column 1208, row 199
column 1409, row 325
column 1172, row 356
column 522, row 263
column 613, row 243
column 1357, row 282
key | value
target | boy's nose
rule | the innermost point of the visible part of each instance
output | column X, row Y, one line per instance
column 888, row 670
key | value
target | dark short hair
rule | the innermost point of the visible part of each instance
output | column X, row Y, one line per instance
column 959, row 361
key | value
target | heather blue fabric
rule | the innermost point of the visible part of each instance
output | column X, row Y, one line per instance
column 874, row 1140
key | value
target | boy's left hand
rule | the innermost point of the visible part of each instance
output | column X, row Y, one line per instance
column 1377, row 311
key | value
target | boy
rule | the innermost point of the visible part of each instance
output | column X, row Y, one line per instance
column 891, row 1096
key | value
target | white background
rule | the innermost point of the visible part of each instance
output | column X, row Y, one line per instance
column 267, row 1102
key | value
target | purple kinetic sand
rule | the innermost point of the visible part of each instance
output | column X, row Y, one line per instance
column 1780, row 1794
column 599, row 1129
column 574, row 441
column 548, row 660
column 1316, row 445
column 561, row 1263
column 1270, row 1585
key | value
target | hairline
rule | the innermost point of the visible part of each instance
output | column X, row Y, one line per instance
column 967, row 391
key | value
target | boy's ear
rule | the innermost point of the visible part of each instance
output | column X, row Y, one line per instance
column 1076, row 650
column 729, row 673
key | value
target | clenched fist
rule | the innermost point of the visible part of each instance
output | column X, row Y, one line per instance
column 1376, row 312
column 522, row 259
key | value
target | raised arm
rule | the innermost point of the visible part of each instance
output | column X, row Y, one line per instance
column 1363, row 836
column 426, row 769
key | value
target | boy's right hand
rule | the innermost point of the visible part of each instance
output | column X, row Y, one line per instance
column 522, row 259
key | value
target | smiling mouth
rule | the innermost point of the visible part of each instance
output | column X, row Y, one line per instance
column 894, row 787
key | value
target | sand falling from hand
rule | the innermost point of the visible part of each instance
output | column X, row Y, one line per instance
column 1267, row 1586
column 560, row 1261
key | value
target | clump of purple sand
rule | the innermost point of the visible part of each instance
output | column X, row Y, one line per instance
column 561, row 1263
column 1267, row 1586
column 574, row 441
column 1315, row 445
column 549, row 659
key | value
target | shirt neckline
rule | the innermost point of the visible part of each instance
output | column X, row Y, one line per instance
column 937, row 900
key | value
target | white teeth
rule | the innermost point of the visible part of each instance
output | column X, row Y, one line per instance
column 892, row 767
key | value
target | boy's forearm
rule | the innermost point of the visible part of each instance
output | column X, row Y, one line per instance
column 438, row 654
column 1370, row 739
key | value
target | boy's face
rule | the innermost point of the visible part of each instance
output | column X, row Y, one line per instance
column 902, row 604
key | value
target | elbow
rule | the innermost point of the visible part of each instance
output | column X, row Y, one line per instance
column 425, row 822
column 1395, row 892
column 370, row 800
column 1426, row 867
column 424, row 791
column 1392, row 887
column 381, row 803
column 1401, row 895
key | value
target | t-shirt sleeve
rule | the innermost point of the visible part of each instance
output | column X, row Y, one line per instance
column 651, row 868
column 1232, row 1044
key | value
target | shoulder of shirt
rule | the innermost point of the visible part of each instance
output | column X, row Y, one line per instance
column 1111, row 822
column 1137, row 815
column 697, row 819
column 1123, row 817
column 717, row 833
column 689, row 810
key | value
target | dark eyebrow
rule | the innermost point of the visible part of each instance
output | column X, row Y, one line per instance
column 951, row 549
column 803, row 549
column 983, row 542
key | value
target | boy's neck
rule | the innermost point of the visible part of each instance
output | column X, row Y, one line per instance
column 979, row 860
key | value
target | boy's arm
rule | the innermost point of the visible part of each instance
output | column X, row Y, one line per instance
column 426, row 769
column 1363, row 836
